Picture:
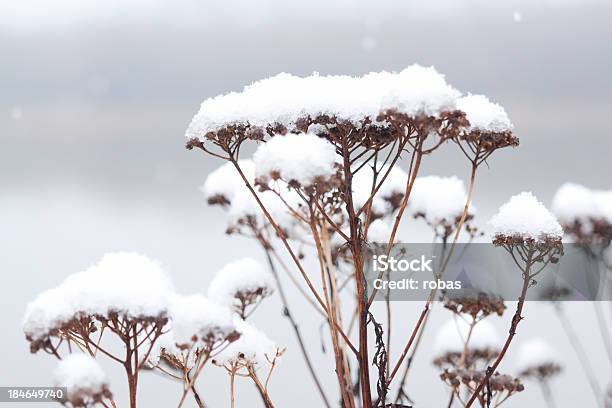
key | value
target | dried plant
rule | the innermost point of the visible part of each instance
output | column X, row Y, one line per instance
column 312, row 163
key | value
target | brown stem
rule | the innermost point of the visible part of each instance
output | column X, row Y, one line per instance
column 469, row 199
column 362, row 299
column 331, row 317
column 515, row 321
column 413, row 173
column 132, row 385
column 262, row 390
column 411, row 339
column 279, row 232
column 197, row 398
column 336, row 307
column 294, row 325
column 232, row 379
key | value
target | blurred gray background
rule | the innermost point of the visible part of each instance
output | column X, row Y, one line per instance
column 95, row 97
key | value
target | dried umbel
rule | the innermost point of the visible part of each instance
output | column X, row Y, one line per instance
column 463, row 344
column 586, row 214
column 471, row 358
column 498, row 383
column 546, row 249
column 353, row 125
column 532, row 237
column 85, row 382
column 478, row 306
column 590, row 231
column 86, row 399
column 541, row 372
column 489, row 128
column 242, row 285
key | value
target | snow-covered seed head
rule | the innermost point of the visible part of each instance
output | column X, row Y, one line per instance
column 388, row 197
column 449, row 344
column 586, row 214
column 224, row 184
column 287, row 103
column 125, row 285
column 440, row 201
column 200, row 324
column 84, row 380
column 489, row 126
column 523, row 219
column 537, row 359
column 241, row 284
column 301, row 160
column 251, row 351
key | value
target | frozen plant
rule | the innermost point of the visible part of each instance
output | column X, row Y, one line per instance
column 131, row 299
column 537, row 360
column 241, row 284
column 124, row 295
column 336, row 156
column 586, row 214
column 85, row 382
column 440, row 202
column 464, row 344
column 253, row 352
column 532, row 236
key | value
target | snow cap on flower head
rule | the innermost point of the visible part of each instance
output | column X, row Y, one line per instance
column 284, row 99
column 121, row 282
column 524, row 217
column 83, row 378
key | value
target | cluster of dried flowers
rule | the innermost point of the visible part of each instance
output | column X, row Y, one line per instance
column 326, row 178
column 335, row 170
column 129, row 298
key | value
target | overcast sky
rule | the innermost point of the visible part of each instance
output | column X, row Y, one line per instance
column 95, row 98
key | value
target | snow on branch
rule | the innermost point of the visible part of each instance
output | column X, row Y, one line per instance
column 284, row 99
column 125, row 283
column 538, row 359
column 241, row 284
column 524, row 217
column 586, row 214
column 453, row 335
column 302, row 158
column 84, row 380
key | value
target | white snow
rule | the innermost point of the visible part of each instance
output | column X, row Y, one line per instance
column 285, row 98
column 379, row 231
column 534, row 353
column 81, row 375
column 242, row 275
column 483, row 114
column 301, row 157
column 253, row 347
column 225, row 181
column 574, row 202
column 394, row 184
column 120, row 282
column 526, row 217
column 196, row 318
column 451, row 337
column 440, row 199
